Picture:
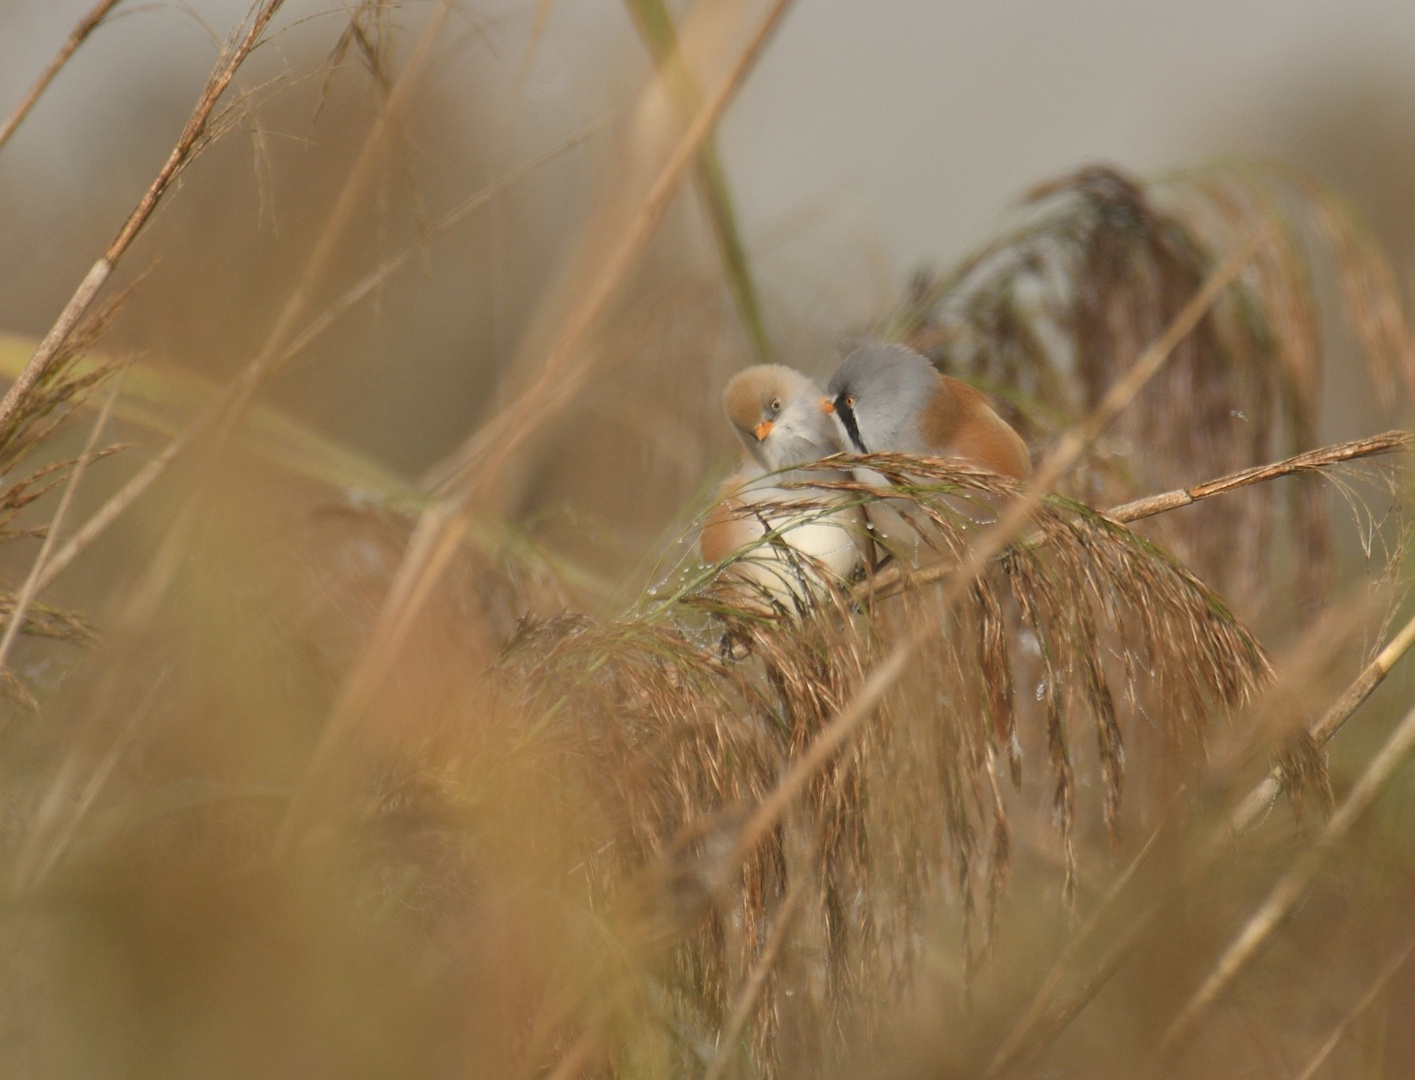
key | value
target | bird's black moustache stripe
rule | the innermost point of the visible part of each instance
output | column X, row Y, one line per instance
column 847, row 417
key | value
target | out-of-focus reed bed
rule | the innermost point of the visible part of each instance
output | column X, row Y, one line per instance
column 1096, row 267
column 334, row 772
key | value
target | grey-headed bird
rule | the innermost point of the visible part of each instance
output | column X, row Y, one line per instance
column 888, row 398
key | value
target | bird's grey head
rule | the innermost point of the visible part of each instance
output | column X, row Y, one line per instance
column 776, row 412
column 877, row 394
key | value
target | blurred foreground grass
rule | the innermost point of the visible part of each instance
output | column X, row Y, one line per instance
column 333, row 772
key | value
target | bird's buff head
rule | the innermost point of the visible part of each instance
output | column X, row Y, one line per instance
column 775, row 412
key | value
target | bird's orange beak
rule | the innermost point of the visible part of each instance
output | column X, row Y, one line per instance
column 763, row 430
column 827, row 406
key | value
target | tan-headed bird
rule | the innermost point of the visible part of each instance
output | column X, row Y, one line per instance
column 776, row 412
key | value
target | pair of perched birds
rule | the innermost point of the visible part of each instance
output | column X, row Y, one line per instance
column 882, row 398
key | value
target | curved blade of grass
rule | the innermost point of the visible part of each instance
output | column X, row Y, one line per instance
column 162, row 399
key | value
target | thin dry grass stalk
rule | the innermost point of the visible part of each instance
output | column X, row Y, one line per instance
column 82, row 29
column 194, row 138
column 1310, row 461
column 1327, row 725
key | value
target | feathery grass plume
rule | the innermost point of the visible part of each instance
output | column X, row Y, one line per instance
column 64, row 384
column 51, row 403
column 1048, row 315
column 677, row 734
column 369, row 34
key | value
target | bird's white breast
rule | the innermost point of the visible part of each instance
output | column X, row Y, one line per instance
column 809, row 541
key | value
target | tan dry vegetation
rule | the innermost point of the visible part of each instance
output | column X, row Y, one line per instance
column 332, row 772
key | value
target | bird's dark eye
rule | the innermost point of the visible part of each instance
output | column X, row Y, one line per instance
column 850, row 402
column 775, row 405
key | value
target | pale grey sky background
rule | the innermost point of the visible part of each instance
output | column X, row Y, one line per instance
column 917, row 119
column 897, row 131
column 931, row 113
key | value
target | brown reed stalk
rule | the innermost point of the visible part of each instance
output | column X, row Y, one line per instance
column 1308, row 461
column 1289, row 889
column 82, row 29
column 484, row 457
column 194, row 137
column 1327, row 725
column 1014, row 519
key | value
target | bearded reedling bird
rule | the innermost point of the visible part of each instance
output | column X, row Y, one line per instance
column 776, row 412
column 889, row 398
